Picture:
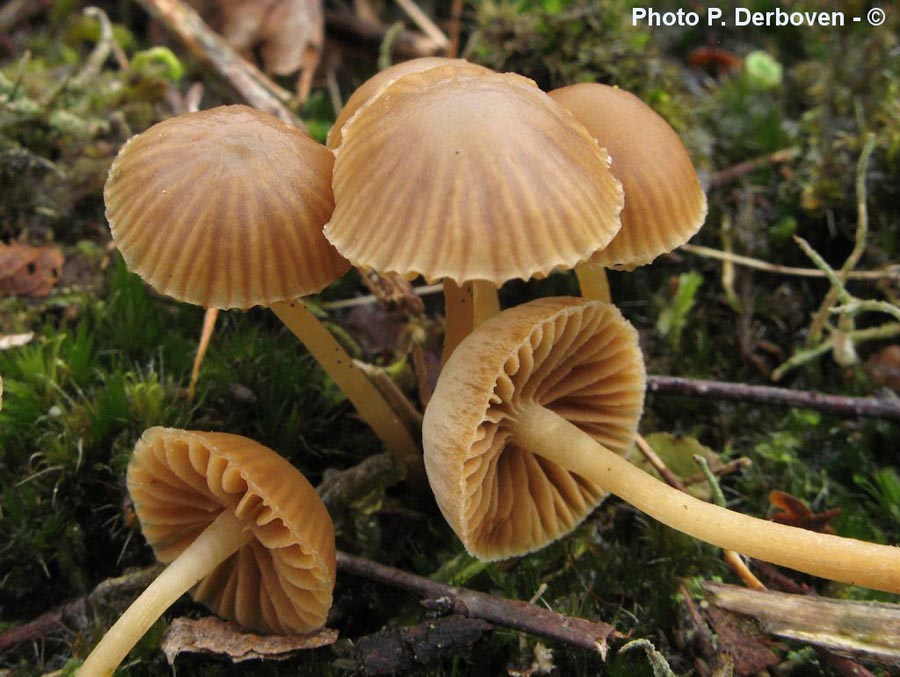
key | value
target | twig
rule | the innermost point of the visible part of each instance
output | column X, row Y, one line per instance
column 671, row 478
column 15, row 12
column 885, row 331
column 77, row 614
column 424, row 22
column 859, row 246
column 519, row 615
column 455, row 25
column 409, row 44
column 849, row 303
column 371, row 298
column 741, row 392
column 734, row 561
column 735, row 172
column 247, row 80
column 98, row 56
column 891, row 273
column 339, row 488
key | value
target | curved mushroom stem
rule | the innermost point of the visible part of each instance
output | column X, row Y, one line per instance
column 465, row 308
column 209, row 323
column 593, row 281
column 840, row 559
column 213, row 546
column 370, row 403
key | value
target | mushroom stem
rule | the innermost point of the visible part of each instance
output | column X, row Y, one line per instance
column 209, row 323
column 370, row 403
column 214, row 545
column 593, row 281
column 840, row 559
column 466, row 307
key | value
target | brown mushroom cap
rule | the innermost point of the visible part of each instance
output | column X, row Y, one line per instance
column 447, row 174
column 372, row 87
column 280, row 581
column 664, row 202
column 579, row 359
column 224, row 208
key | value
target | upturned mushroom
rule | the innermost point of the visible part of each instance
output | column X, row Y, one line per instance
column 664, row 202
column 526, row 427
column 224, row 208
column 472, row 177
column 238, row 525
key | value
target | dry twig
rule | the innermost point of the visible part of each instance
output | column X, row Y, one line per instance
column 741, row 392
column 589, row 635
column 254, row 86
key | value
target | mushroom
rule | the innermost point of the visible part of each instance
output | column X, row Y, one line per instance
column 375, row 85
column 236, row 523
column 526, row 429
column 472, row 177
column 664, row 202
column 224, row 208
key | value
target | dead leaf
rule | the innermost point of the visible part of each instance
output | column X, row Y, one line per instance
column 288, row 33
column 29, row 271
column 212, row 635
column 884, row 367
column 795, row 513
column 8, row 341
column 677, row 452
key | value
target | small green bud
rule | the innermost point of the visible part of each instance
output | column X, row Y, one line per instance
column 158, row 60
column 761, row 71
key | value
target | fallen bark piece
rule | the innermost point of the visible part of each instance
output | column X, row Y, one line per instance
column 867, row 631
column 396, row 650
column 212, row 635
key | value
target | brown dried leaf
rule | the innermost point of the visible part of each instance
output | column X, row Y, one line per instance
column 795, row 513
column 289, row 33
column 29, row 271
column 884, row 367
column 212, row 635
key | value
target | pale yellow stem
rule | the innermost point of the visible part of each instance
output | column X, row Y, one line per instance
column 363, row 394
column 466, row 307
column 593, row 281
column 214, row 545
column 840, row 559
column 209, row 323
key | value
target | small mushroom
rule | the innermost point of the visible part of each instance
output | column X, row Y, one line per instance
column 375, row 85
column 664, row 202
column 238, row 525
column 526, row 429
column 224, row 208
column 473, row 177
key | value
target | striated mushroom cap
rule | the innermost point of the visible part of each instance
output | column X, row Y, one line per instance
column 224, row 208
column 372, row 87
column 664, row 202
column 281, row 581
column 469, row 177
column 581, row 360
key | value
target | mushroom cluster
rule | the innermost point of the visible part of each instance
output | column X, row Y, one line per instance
column 441, row 169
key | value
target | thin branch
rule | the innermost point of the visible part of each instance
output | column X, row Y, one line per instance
column 371, row 298
column 733, row 173
column 516, row 614
column 817, row 325
column 741, row 392
column 408, row 44
column 254, row 86
column 892, row 273
column 424, row 22
column 849, row 303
